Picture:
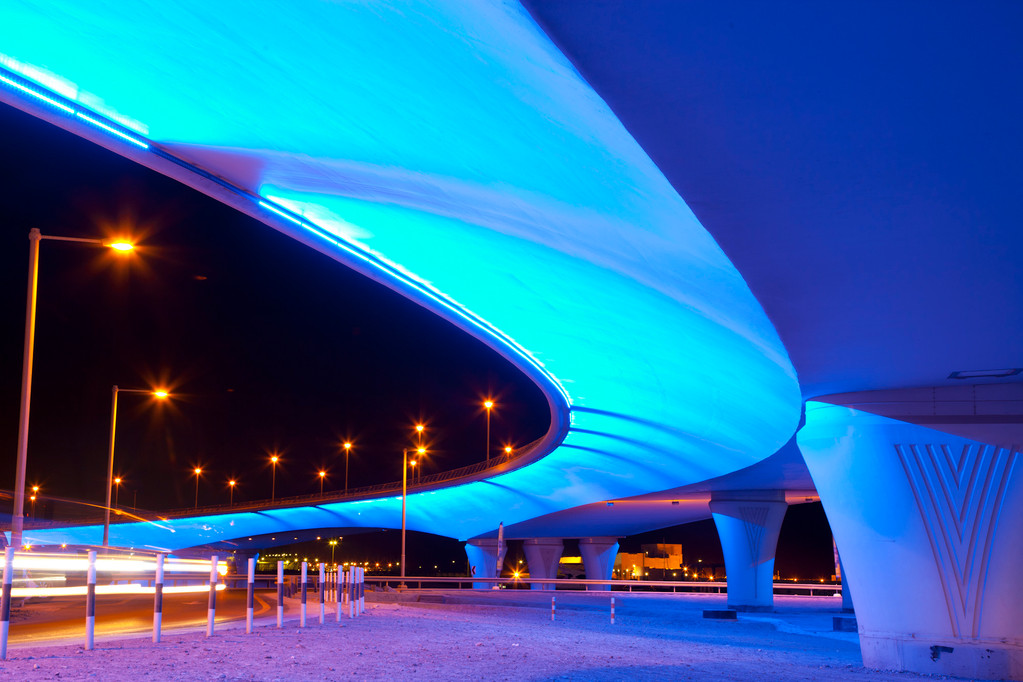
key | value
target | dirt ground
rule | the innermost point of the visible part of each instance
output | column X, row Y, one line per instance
column 487, row 637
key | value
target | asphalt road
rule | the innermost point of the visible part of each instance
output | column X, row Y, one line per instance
column 41, row 620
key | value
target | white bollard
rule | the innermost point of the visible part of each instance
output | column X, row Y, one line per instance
column 90, row 604
column 213, row 596
column 362, row 591
column 305, row 585
column 612, row 610
column 280, row 594
column 5, row 601
column 338, row 573
column 323, row 593
column 250, row 596
column 350, row 592
column 158, row 599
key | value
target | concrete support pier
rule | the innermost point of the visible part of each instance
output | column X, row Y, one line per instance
column 748, row 522
column 598, row 559
column 486, row 559
column 929, row 525
column 543, row 556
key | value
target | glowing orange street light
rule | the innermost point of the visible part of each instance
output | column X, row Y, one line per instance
column 273, row 477
column 323, row 475
column 348, row 448
column 198, row 473
column 159, row 394
column 488, row 404
column 507, row 449
column 120, row 246
column 34, row 238
column 117, row 490
column 231, row 484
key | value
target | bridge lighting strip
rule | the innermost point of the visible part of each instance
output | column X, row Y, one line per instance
column 22, row 85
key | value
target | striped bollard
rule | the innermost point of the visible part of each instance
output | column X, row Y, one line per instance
column 5, row 601
column 362, row 591
column 158, row 599
column 250, row 596
column 552, row 608
column 280, row 594
column 213, row 596
column 350, row 592
column 305, row 585
column 337, row 594
column 90, row 604
column 323, row 593
column 612, row 610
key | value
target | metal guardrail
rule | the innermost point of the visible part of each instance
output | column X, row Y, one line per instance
column 716, row 587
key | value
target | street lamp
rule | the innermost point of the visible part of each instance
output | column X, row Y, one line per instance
column 348, row 448
column 507, row 449
column 117, row 491
column 488, row 404
column 323, row 475
column 198, row 473
column 34, row 237
column 35, row 494
column 421, row 451
column 159, row 394
column 404, row 493
column 231, row 484
column 333, row 546
column 273, row 477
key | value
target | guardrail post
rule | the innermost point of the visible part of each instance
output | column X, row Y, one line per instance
column 280, row 594
column 250, row 596
column 612, row 610
column 552, row 608
column 213, row 596
column 323, row 593
column 90, row 603
column 158, row 599
column 5, row 601
column 305, row 586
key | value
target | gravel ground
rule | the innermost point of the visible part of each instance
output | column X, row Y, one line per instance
column 499, row 637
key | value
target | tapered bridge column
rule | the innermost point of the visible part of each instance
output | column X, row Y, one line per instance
column 486, row 559
column 543, row 556
column 748, row 522
column 598, row 559
column 930, row 526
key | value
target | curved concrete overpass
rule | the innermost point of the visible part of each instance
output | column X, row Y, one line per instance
column 449, row 151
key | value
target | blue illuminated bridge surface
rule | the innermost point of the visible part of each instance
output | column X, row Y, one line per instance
column 449, row 151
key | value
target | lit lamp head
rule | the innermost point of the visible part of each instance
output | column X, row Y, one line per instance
column 274, row 459
column 507, row 449
column 35, row 488
column 421, row 451
column 323, row 474
column 161, row 394
column 232, row 483
column 198, row 470
column 488, row 404
column 117, row 480
column 121, row 246
column 348, row 446
column 419, row 428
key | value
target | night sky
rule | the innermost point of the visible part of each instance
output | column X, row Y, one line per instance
column 266, row 345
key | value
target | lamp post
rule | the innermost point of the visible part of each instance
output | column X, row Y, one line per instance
column 117, row 491
column 333, row 546
column 348, row 448
column 488, row 404
column 323, row 475
column 421, row 451
column 35, row 494
column 273, row 477
column 231, row 484
column 413, row 465
column 198, row 473
column 160, row 394
column 34, row 237
column 404, row 492
column 507, row 449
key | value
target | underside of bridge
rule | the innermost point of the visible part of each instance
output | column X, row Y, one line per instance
column 482, row 160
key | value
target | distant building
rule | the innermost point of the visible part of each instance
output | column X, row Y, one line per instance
column 658, row 562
